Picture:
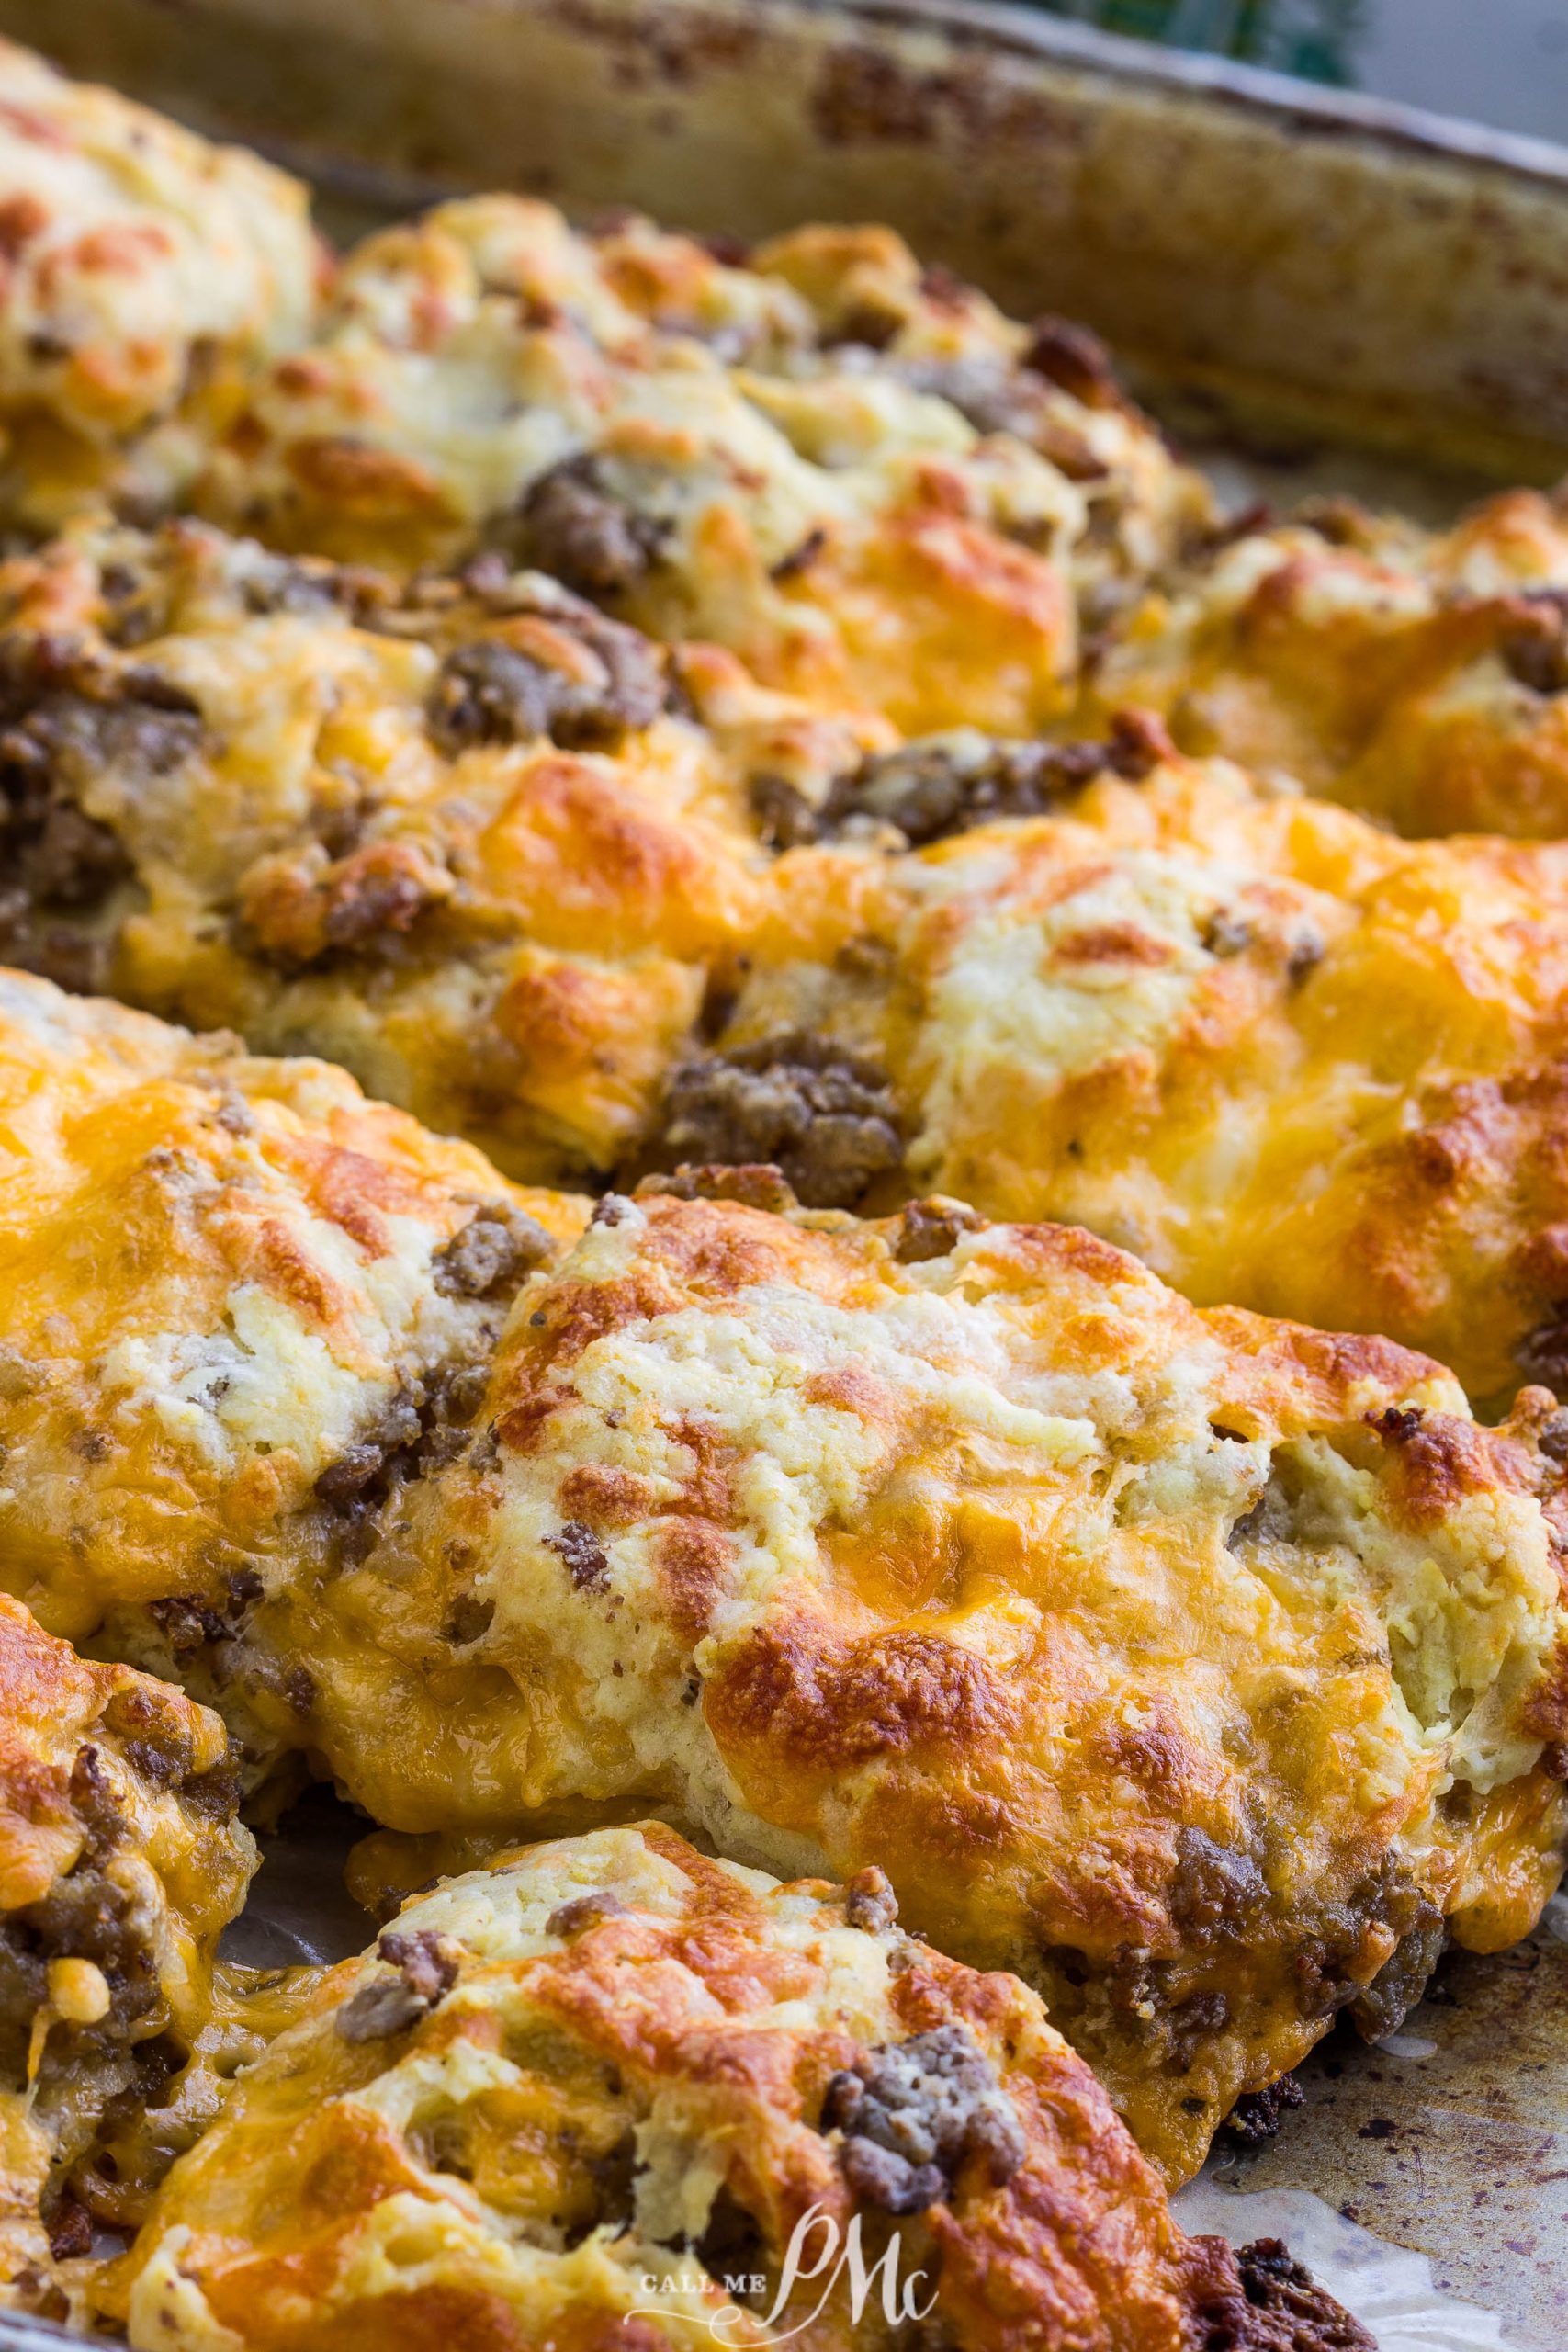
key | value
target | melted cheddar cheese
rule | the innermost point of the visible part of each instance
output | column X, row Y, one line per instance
column 472, row 840
column 146, row 274
column 240, row 1298
column 1194, row 1667
column 860, row 478
column 590, row 2098
column 120, row 1862
column 1422, row 680
column 1291, row 1061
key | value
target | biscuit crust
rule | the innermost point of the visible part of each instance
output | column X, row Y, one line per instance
column 575, row 2094
column 1199, row 1668
column 242, row 1301
column 1422, row 680
column 120, row 1862
column 467, row 838
column 147, row 274
column 856, row 475
column 1291, row 1061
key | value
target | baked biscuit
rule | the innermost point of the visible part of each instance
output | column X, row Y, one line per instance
column 120, row 1862
column 1422, row 680
column 856, row 475
column 1291, row 1061
column 471, row 839
column 569, row 2100
column 146, row 274
column 1199, row 1668
column 241, row 1303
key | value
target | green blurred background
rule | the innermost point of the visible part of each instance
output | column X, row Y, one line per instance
column 1315, row 37
column 1499, row 61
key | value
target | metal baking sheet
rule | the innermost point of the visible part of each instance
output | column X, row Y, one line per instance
column 1320, row 291
column 1293, row 258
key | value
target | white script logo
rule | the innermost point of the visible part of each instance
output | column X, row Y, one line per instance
column 804, row 2265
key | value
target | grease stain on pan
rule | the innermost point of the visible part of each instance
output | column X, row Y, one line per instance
column 658, row 45
column 866, row 96
column 1461, row 2157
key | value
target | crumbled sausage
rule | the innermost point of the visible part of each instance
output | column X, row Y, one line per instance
column 378, row 2010
column 1075, row 361
column 948, row 783
column 1225, row 934
column 70, row 2229
column 1187, row 2025
column 93, row 1801
column 427, row 1962
column 583, row 1554
column 297, row 909
column 994, row 397
column 24, row 1988
column 785, row 817
column 1534, row 642
column 342, row 1484
column 426, row 1967
column 802, row 556
column 1543, row 1353
column 583, row 1911
column 574, row 529
column 492, row 691
column 1306, row 2319
column 83, row 1916
column 1213, row 1885
column 1383, row 2006
column 420, row 1428
column 911, row 2112
column 933, row 1230
column 489, row 1257
column 826, row 1118
column 755, row 1186
column 63, row 721
column 376, row 893
column 870, row 1903
column 1552, row 1437
column 1256, row 2118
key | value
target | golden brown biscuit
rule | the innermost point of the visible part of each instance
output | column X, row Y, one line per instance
column 1292, row 1062
column 856, row 475
column 120, row 1862
column 472, row 838
column 1198, row 1668
column 1423, row 681
column 241, row 1303
column 1195, row 1667
column 569, row 2100
column 146, row 274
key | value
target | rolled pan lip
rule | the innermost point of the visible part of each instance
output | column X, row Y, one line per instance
column 1313, row 108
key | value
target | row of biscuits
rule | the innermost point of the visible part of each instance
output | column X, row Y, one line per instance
column 1204, row 1673
column 624, row 700
column 602, row 905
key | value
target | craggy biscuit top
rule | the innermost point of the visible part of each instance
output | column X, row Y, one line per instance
column 596, row 2093
column 1193, row 1666
column 142, row 273
column 861, row 479
column 1291, row 1061
column 470, row 838
column 121, row 1861
column 1423, row 680
column 240, row 1300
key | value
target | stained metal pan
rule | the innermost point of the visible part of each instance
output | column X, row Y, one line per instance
column 1302, row 260
column 1278, row 265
